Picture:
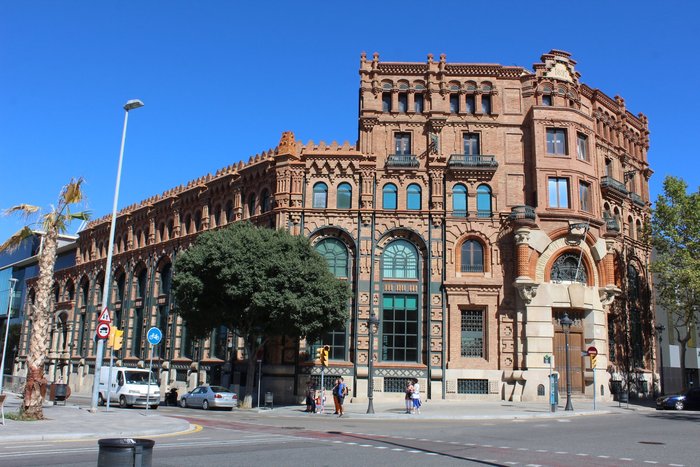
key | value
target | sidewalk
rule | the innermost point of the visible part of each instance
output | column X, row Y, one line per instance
column 74, row 422
column 463, row 410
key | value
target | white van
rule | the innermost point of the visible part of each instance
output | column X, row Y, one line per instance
column 129, row 386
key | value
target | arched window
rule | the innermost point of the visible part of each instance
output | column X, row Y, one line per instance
column 472, row 256
column 171, row 228
column 459, row 200
column 320, row 195
column 198, row 221
column 217, row 216
column 389, row 196
column 186, row 225
column 640, row 230
column 336, row 255
column 413, row 200
column 251, row 205
column 264, row 201
column 137, row 239
column 630, row 227
column 400, row 261
column 141, row 283
column 229, row 211
column 344, row 196
column 569, row 268
column 161, row 232
column 483, row 201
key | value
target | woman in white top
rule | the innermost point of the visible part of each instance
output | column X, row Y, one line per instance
column 416, row 396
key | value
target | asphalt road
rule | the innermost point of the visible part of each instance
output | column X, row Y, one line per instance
column 248, row 439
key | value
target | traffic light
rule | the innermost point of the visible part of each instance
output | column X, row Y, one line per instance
column 322, row 354
column 118, row 339
column 110, row 339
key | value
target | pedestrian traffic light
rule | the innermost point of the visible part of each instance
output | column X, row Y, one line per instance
column 118, row 339
column 322, row 354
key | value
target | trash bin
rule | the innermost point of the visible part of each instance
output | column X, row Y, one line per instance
column 125, row 452
column 61, row 393
column 268, row 399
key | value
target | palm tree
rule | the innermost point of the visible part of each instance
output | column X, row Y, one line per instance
column 53, row 223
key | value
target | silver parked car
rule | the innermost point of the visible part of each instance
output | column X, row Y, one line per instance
column 210, row 397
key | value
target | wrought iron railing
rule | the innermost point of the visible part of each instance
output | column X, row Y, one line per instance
column 636, row 199
column 473, row 161
column 609, row 182
column 522, row 212
column 402, row 160
column 472, row 267
column 611, row 224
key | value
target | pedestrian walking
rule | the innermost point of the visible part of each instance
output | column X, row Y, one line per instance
column 339, row 392
column 408, row 397
column 310, row 398
column 415, row 396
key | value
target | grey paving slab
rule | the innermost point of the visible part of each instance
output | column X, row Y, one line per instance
column 75, row 422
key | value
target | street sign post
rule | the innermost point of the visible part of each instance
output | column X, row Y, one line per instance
column 154, row 335
column 593, row 353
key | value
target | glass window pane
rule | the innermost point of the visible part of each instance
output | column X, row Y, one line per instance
column 470, row 105
column 418, row 103
column 320, row 195
column 386, row 102
column 413, row 200
column 454, row 103
column 389, row 196
column 403, row 102
column 486, row 105
column 563, row 194
column 344, row 197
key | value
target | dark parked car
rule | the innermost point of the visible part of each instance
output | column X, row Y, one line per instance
column 210, row 396
column 689, row 400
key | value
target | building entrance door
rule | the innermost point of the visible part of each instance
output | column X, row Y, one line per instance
column 576, row 362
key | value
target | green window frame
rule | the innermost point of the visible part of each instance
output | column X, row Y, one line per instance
column 400, row 328
column 344, row 196
column 400, row 261
column 336, row 256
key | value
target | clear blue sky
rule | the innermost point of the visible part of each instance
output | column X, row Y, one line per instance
column 221, row 80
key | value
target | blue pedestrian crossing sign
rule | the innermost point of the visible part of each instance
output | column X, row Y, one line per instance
column 154, row 336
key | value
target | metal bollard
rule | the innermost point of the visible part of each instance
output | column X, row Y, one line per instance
column 125, row 452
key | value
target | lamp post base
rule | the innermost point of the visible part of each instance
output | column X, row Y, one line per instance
column 569, row 405
column 370, row 406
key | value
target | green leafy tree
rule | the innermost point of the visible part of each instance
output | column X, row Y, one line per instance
column 261, row 282
column 53, row 223
column 676, row 238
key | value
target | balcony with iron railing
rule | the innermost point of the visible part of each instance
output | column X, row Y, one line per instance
column 612, row 184
column 522, row 214
column 636, row 199
column 471, row 161
column 402, row 161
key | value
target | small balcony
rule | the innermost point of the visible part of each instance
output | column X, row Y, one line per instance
column 636, row 199
column 469, row 161
column 609, row 183
column 402, row 161
column 522, row 213
column 612, row 226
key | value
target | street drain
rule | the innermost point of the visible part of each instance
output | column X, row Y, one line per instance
column 651, row 442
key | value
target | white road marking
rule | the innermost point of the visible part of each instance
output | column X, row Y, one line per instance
column 581, row 454
column 561, row 452
column 454, row 442
column 676, row 465
column 365, row 445
column 413, row 451
column 541, row 450
column 487, row 445
column 504, row 447
column 626, row 459
column 523, row 449
column 469, row 444
column 397, row 449
column 431, row 453
column 381, row 447
column 604, row 457
column 533, row 465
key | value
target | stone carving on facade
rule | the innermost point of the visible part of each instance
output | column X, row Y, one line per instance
column 608, row 294
column 526, row 289
column 295, row 218
column 367, row 123
column 522, row 236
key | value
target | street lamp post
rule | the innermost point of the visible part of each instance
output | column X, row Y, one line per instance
column 130, row 105
column 566, row 323
column 13, row 283
column 373, row 322
column 660, row 328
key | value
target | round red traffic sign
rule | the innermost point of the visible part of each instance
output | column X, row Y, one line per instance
column 103, row 331
column 592, row 351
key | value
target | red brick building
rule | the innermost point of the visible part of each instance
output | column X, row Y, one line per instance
column 480, row 203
